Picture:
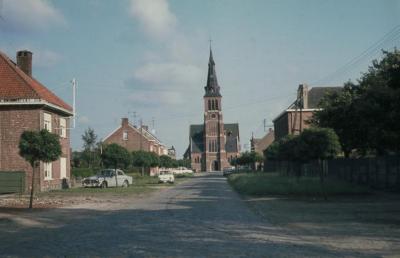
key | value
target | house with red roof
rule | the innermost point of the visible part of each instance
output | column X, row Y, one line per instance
column 26, row 104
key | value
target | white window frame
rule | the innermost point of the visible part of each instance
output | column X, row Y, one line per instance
column 63, row 167
column 48, row 170
column 125, row 135
column 63, row 128
column 47, row 122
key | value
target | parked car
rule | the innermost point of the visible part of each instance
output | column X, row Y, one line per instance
column 228, row 170
column 106, row 178
column 181, row 170
column 166, row 177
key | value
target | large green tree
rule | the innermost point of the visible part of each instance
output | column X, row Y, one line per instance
column 115, row 156
column 38, row 146
column 145, row 159
column 89, row 145
column 366, row 114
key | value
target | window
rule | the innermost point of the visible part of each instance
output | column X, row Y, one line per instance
column 48, row 173
column 47, row 121
column 63, row 168
column 125, row 135
column 63, row 128
column 216, row 104
column 213, row 104
column 209, row 104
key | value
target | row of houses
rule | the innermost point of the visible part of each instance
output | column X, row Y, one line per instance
column 27, row 105
column 294, row 119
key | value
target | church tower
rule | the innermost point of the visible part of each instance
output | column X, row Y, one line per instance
column 214, row 156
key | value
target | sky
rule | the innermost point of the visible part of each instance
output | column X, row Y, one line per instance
column 150, row 57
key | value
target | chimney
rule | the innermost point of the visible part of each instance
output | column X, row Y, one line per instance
column 24, row 61
column 125, row 121
column 302, row 95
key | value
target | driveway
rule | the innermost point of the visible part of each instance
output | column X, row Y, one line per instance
column 202, row 217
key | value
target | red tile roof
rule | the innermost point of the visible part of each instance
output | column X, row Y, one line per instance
column 15, row 84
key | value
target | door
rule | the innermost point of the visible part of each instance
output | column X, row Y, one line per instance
column 215, row 165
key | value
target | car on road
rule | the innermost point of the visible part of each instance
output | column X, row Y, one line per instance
column 181, row 170
column 108, row 178
column 228, row 170
column 166, row 177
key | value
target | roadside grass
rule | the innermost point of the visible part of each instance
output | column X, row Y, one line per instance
column 260, row 184
column 140, row 185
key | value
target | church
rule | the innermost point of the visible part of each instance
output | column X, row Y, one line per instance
column 213, row 144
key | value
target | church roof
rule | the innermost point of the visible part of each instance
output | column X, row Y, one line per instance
column 196, row 135
column 212, row 87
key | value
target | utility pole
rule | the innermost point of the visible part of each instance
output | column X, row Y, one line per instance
column 265, row 124
column 73, row 101
column 141, row 134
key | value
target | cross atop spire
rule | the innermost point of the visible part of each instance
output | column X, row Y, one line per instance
column 212, row 87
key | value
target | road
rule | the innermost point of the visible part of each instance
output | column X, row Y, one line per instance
column 201, row 217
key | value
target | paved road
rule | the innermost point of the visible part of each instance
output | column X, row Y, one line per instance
column 201, row 217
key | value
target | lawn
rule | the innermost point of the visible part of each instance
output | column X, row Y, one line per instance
column 259, row 184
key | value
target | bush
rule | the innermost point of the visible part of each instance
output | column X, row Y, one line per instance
column 259, row 184
column 82, row 172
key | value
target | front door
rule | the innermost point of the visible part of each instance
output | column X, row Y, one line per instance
column 215, row 166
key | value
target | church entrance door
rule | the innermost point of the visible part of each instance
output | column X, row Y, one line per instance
column 215, row 166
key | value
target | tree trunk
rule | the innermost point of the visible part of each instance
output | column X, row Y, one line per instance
column 32, row 185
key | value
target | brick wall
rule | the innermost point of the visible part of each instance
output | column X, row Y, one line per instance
column 14, row 120
column 133, row 141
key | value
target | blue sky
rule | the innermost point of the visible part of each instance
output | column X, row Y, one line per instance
column 150, row 56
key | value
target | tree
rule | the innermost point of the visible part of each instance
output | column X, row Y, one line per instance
column 38, row 146
column 166, row 161
column 115, row 156
column 145, row 159
column 89, row 143
column 366, row 114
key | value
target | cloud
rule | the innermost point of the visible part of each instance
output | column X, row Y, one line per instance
column 154, row 16
column 149, row 98
column 172, row 74
column 27, row 15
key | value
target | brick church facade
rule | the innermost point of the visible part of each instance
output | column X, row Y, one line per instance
column 213, row 144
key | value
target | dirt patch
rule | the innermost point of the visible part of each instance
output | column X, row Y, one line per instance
column 369, row 223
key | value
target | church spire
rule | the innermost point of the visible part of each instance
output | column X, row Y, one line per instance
column 212, row 88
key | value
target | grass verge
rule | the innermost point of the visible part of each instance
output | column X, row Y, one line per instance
column 258, row 184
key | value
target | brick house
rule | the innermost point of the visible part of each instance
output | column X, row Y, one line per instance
column 134, row 139
column 294, row 119
column 26, row 104
column 213, row 144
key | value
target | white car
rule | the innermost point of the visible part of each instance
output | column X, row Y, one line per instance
column 166, row 177
column 181, row 170
column 106, row 178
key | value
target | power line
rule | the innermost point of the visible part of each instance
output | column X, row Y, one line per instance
column 390, row 36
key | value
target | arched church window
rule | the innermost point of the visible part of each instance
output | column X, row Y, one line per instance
column 213, row 104
column 216, row 105
column 209, row 104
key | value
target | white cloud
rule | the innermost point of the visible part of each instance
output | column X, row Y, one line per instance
column 155, row 17
column 155, row 98
column 173, row 74
column 28, row 15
